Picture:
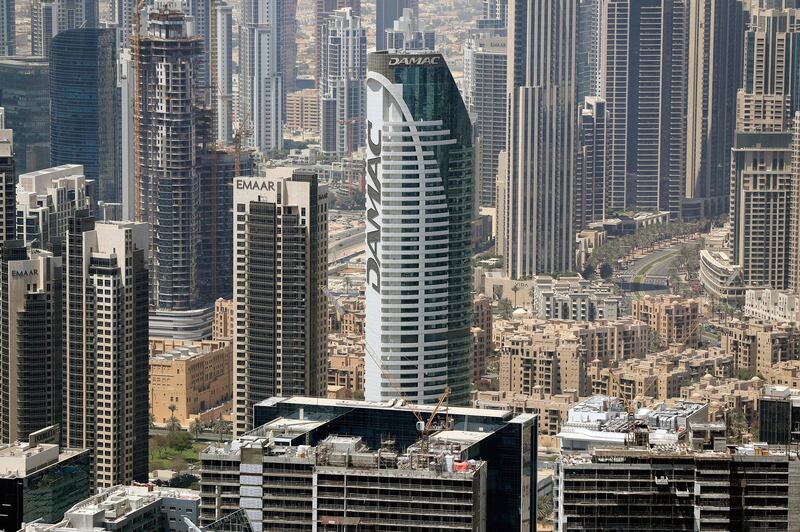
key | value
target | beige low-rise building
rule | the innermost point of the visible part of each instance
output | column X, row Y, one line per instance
column 195, row 377
column 302, row 111
column 725, row 395
column 345, row 366
column 348, row 315
column 675, row 319
column 784, row 374
column 660, row 375
column 555, row 356
column 758, row 346
column 551, row 409
column 224, row 318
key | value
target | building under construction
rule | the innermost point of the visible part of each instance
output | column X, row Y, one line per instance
column 318, row 464
column 167, row 181
column 741, row 488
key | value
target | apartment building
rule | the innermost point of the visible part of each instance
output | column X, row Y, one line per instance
column 302, row 111
column 281, row 273
column 193, row 376
column 224, row 319
column 553, row 357
column 758, row 346
column 574, row 298
column 345, row 366
column 675, row 319
column 660, row 375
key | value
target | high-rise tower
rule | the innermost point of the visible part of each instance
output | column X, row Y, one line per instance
column 322, row 11
column 542, row 142
column 223, row 62
column 419, row 210
column 485, row 97
column 281, row 272
column 168, row 187
column 8, row 27
column 343, row 83
column 643, row 80
column 85, row 107
column 8, row 182
column 716, row 31
column 51, row 17
column 267, row 41
column 30, row 341
column 105, row 346
column 386, row 12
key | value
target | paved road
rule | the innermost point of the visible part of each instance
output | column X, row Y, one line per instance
column 656, row 264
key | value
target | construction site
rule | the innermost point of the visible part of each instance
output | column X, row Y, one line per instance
column 324, row 464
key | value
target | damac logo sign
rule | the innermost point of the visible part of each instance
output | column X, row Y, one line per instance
column 373, row 203
column 415, row 60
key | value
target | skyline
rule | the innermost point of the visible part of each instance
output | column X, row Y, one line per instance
column 513, row 264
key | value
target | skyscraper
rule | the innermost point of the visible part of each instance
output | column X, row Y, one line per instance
column 592, row 170
column 267, row 41
column 200, row 11
column 8, row 182
column 542, row 138
column 281, row 265
column 25, row 95
column 644, row 85
column 322, row 11
column 223, row 62
column 770, row 93
column 588, row 49
column 106, row 399
column 405, row 34
column 85, row 121
column 716, row 31
column 386, row 12
column 51, row 17
column 168, row 184
column 485, row 97
column 761, row 208
column 342, row 85
column 8, row 28
column 46, row 199
column 419, row 213
column 30, row 341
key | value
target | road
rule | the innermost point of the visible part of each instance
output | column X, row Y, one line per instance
column 655, row 264
column 346, row 243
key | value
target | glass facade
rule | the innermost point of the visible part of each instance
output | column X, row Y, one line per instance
column 46, row 494
column 509, row 446
column 25, row 95
column 85, row 112
column 421, row 204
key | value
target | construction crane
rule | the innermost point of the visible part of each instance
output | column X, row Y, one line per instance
column 137, row 99
column 423, row 426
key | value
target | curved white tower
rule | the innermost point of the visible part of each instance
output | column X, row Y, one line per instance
column 419, row 208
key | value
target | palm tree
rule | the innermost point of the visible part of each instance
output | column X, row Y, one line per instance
column 152, row 420
column 173, row 424
column 221, row 427
column 196, row 428
column 516, row 288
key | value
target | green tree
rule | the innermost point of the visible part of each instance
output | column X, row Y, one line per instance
column 173, row 424
column 516, row 288
column 222, row 427
column 196, row 428
column 606, row 271
column 505, row 309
